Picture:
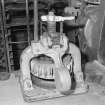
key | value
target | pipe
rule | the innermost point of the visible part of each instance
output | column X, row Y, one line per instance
column 27, row 21
column 35, row 21
column 4, row 32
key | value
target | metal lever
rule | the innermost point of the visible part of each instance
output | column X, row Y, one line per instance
column 52, row 18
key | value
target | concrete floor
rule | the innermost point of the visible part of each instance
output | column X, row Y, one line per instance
column 10, row 94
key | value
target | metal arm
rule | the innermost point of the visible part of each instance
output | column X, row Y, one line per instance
column 52, row 18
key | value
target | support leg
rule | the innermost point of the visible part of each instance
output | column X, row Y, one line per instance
column 81, row 87
column 25, row 58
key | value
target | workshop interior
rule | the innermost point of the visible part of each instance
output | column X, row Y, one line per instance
column 54, row 47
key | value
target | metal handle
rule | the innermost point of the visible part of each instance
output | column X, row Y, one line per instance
column 52, row 18
column 56, row 18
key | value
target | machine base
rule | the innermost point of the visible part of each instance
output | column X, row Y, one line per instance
column 39, row 94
